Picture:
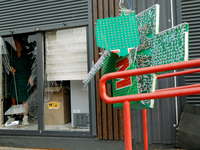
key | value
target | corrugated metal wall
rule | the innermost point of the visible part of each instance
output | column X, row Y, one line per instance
column 28, row 16
column 162, row 117
column 190, row 10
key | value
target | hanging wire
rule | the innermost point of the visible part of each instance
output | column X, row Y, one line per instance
column 130, row 7
column 124, row 11
column 131, row 4
column 120, row 4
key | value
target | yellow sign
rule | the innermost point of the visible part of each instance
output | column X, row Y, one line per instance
column 53, row 105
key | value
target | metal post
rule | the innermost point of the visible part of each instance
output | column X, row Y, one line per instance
column 145, row 131
column 127, row 125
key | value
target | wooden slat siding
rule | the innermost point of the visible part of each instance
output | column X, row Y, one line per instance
column 96, row 52
column 104, row 107
column 110, row 116
column 109, row 106
column 121, row 125
column 120, row 112
column 115, row 110
column 111, row 8
column 109, row 120
column 113, row 117
column 117, row 8
column 116, row 123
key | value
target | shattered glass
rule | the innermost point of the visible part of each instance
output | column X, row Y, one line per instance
column 66, row 101
column 11, row 108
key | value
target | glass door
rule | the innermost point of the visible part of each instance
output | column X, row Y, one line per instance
column 18, row 82
column 66, row 102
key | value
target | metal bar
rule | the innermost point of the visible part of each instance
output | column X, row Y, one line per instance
column 57, row 25
column 141, row 71
column 90, row 53
column 178, row 73
column 155, row 95
column 145, row 132
column 180, row 87
column 40, row 79
column 127, row 125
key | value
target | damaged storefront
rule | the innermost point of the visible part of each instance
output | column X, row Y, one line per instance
column 62, row 80
column 44, row 58
column 47, row 49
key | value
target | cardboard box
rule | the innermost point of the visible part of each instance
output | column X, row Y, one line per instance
column 58, row 109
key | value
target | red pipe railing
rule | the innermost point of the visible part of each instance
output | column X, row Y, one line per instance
column 178, row 73
column 164, row 93
column 145, row 131
column 141, row 71
column 180, row 87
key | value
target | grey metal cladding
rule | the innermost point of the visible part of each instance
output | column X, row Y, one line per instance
column 190, row 10
column 29, row 16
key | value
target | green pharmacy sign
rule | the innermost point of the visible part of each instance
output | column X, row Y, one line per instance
column 139, row 57
column 135, row 42
column 118, row 34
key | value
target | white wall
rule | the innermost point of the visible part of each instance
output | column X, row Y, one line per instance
column 79, row 98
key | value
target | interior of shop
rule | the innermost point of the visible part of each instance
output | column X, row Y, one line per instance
column 65, row 101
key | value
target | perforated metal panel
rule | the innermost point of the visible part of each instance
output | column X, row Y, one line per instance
column 190, row 14
column 28, row 16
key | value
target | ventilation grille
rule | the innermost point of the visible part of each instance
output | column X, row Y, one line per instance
column 190, row 14
column 81, row 120
column 27, row 15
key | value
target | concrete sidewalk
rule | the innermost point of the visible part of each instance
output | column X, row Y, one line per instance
column 12, row 148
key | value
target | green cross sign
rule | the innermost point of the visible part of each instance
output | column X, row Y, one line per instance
column 154, row 49
column 117, row 34
column 148, row 27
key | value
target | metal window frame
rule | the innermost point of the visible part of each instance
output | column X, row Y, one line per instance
column 40, row 83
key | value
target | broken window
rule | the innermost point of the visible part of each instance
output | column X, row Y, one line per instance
column 18, row 109
column 66, row 102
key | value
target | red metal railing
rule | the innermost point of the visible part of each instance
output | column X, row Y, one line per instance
column 178, row 73
column 163, row 93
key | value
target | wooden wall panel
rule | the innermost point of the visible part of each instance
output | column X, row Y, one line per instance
column 96, row 52
column 104, row 108
column 109, row 120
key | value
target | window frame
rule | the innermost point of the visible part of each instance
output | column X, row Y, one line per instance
column 40, row 86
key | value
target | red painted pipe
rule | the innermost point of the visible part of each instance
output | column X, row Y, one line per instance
column 178, row 73
column 145, row 131
column 157, row 95
column 127, row 125
column 141, row 71
column 154, row 69
column 180, row 87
